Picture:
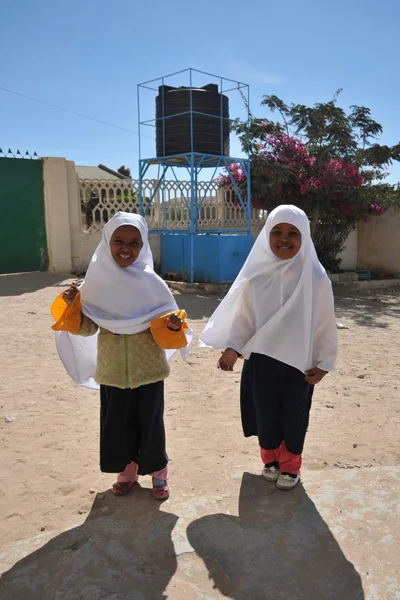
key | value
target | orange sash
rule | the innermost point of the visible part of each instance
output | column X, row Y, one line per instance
column 67, row 318
column 167, row 339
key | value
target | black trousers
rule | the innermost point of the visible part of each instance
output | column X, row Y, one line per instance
column 275, row 402
column 132, row 428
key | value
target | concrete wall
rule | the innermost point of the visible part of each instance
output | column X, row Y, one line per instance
column 70, row 247
column 379, row 243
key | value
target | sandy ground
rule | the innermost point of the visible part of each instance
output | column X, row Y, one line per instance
column 224, row 532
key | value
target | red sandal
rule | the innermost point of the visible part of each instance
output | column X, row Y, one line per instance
column 122, row 488
column 160, row 489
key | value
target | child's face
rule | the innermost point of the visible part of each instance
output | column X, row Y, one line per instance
column 285, row 240
column 126, row 243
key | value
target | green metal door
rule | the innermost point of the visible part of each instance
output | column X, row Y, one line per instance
column 23, row 245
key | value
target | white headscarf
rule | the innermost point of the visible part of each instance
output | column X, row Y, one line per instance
column 281, row 308
column 123, row 301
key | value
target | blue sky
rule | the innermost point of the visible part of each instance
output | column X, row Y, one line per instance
column 88, row 56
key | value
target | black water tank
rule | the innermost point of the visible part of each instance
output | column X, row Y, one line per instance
column 173, row 132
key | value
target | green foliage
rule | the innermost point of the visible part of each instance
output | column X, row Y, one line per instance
column 324, row 159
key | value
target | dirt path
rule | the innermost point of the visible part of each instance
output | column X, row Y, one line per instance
column 221, row 522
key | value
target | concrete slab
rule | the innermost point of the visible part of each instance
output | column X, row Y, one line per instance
column 336, row 537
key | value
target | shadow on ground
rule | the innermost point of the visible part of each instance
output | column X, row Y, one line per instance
column 28, row 283
column 198, row 306
column 368, row 308
column 123, row 551
column 278, row 548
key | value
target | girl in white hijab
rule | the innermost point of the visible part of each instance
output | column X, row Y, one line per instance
column 113, row 332
column 278, row 316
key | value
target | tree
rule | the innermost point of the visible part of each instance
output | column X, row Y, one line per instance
column 125, row 171
column 322, row 159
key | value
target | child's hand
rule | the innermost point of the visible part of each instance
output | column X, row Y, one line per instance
column 315, row 375
column 228, row 360
column 70, row 295
column 174, row 322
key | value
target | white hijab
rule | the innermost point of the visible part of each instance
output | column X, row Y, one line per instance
column 281, row 308
column 123, row 301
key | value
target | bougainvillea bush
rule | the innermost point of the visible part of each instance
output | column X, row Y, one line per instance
column 322, row 160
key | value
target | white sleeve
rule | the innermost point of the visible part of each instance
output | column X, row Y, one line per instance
column 243, row 325
column 325, row 343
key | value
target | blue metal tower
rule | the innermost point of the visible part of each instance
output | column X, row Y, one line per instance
column 193, row 162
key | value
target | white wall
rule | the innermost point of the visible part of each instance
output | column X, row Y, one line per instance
column 379, row 243
column 349, row 254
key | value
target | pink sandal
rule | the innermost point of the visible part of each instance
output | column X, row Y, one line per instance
column 160, row 489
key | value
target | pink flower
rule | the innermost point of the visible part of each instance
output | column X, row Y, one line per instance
column 303, row 174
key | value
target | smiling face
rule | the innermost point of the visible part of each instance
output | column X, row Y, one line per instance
column 126, row 244
column 285, row 241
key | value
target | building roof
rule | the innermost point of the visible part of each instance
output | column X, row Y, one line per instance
column 100, row 172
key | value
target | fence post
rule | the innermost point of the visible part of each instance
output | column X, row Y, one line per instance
column 221, row 206
column 57, row 214
column 156, row 205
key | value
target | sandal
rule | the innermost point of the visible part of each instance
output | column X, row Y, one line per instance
column 122, row 488
column 271, row 473
column 287, row 481
column 160, row 489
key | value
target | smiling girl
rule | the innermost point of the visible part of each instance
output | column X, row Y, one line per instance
column 113, row 332
column 279, row 316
